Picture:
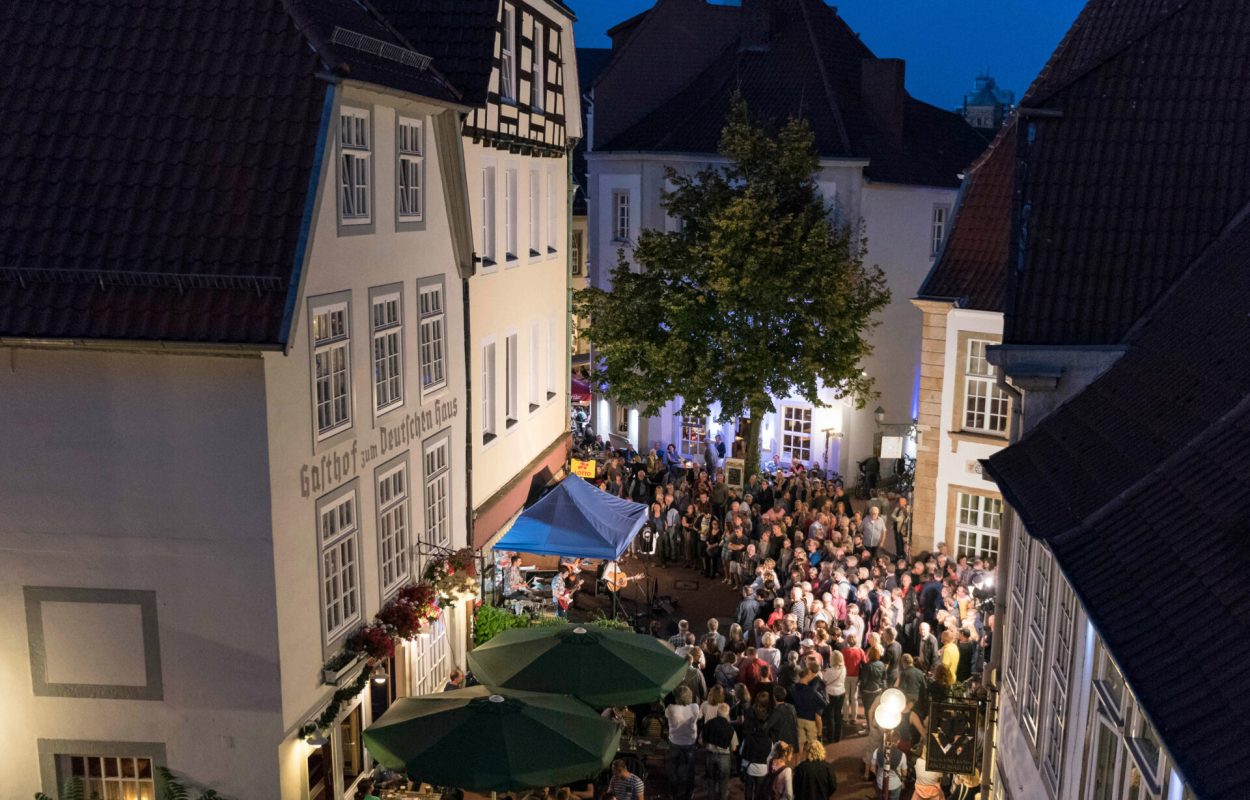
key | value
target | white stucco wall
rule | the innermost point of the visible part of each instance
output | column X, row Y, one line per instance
column 355, row 263
column 147, row 472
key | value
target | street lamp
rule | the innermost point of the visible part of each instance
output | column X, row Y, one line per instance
column 887, row 717
column 879, row 415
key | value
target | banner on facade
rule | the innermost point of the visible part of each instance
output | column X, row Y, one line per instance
column 583, row 469
column 735, row 473
column 951, row 744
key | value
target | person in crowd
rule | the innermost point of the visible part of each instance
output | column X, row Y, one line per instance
column 719, row 741
column 927, row 648
column 625, row 785
column 873, row 530
column 928, row 784
column 814, row 778
column 889, row 769
column 678, row 639
column 783, row 723
column 726, row 674
column 901, row 517
column 966, row 644
column 949, row 654
column 911, row 681
column 693, row 679
column 854, row 658
column 872, row 680
column 712, row 705
column 683, row 733
column 756, row 746
column 834, row 678
column 778, row 784
column 809, row 704
column 456, row 680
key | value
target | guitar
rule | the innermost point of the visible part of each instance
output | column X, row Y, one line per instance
column 565, row 599
column 616, row 580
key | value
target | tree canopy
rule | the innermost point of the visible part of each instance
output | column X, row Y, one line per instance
column 760, row 292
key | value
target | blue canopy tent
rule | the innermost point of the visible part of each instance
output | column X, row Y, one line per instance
column 576, row 520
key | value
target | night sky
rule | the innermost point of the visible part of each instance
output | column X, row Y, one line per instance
column 945, row 42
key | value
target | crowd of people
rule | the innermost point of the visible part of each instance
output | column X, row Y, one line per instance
column 833, row 609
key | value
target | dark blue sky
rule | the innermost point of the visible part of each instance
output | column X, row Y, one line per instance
column 945, row 42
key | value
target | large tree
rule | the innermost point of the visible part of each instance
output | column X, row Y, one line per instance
column 760, row 293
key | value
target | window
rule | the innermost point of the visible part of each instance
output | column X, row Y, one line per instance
column 1036, row 635
column 351, row 747
column 438, row 491
column 622, row 419
column 510, row 398
column 940, row 214
column 392, row 486
column 354, row 158
column 320, row 773
column 577, row 252
column 338, row 531
column 488, row 392
column 620, row 216
column 110, row 777
column 411, row 165
column 1019, row 578
column 510, row 219
column 554, row 365
column 331, row 373
column 977, row 525
column 535, row 371
column 985, row 403
column 693, row 436
column 388, row 378
column 507, row 55
column 1110, row 684
column 551, row 213
column 429, row 660
column 1057, row 699
column 432, row 339
column 488, row 216
column 536, row 225
column 796, row 432
column 538, row 82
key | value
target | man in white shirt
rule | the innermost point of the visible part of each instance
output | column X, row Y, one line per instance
column 683, row 733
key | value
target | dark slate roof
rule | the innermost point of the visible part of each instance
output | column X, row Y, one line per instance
column 590, row 62
column 458, row 34
column 972, row 266
column 811, row 68
column 1144, row 165
column 1170, row 419
column 157, row 156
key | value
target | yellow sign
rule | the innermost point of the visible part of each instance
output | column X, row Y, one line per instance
column 583, row 469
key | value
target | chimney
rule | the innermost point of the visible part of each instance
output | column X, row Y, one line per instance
column 881, row 87
column 756, row 20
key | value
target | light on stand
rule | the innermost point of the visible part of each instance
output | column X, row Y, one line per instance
column 887, row 718
column 893, row 698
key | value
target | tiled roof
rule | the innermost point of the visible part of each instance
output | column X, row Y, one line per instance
column 1170, row 422
column 811, row 67
column 157, row 157
column 1139, row 162
column 458, row 34
column 972, row 266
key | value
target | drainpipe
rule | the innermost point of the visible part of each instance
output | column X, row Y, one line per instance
column 570, row 190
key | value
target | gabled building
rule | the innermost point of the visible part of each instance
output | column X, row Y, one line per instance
column 988, row 106
column 963, row 412
column 1123, row 350
column 234, row 241
column 521, row 80
column 890, row 165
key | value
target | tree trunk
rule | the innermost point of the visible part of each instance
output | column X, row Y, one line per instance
column 751, row 437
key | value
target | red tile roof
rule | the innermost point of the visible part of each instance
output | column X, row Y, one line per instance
column 157, row 160
column 972, row 266
column 1170, row 422
column 1138, row 162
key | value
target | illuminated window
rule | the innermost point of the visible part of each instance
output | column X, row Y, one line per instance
column 985, row 402
column 693, row 436
column 977, row 524
column 796, row 432
column 109, row 777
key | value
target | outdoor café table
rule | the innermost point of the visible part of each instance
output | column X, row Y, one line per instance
column 642, row 748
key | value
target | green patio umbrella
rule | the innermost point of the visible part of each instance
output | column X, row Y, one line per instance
column 597, row 666
column 481, row 741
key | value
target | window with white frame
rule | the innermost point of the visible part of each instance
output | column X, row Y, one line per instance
column 940, row 215
column 555, row 362
column 109, row 776
column 437, row 456
column 1019, row 582
column 538, row 81
column 1030, row 712
column 536, row 378
column 1057, row 692
column 796, row 432
column 510, row 213
column 510, row 399
column 388, row 377
column 977, row 523
column 331, row 368
column 577, row 252
column 551, row 213
column 620, row 216
column 432, row 336
column 354, row 166
column 410, row 174
column 693, row 436
column 985, row 402
column 536, row 206
column 338, row 532
column 488, row 216
column 429, row 660
column 488, row 391
column 393, row 540
column 622, row 419
column 507, row 55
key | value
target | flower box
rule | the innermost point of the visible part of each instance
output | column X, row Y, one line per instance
column 333, row 677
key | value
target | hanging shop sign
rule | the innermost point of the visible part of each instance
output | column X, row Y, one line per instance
column 951, row 743
column 583, row 469
column 735, row 473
